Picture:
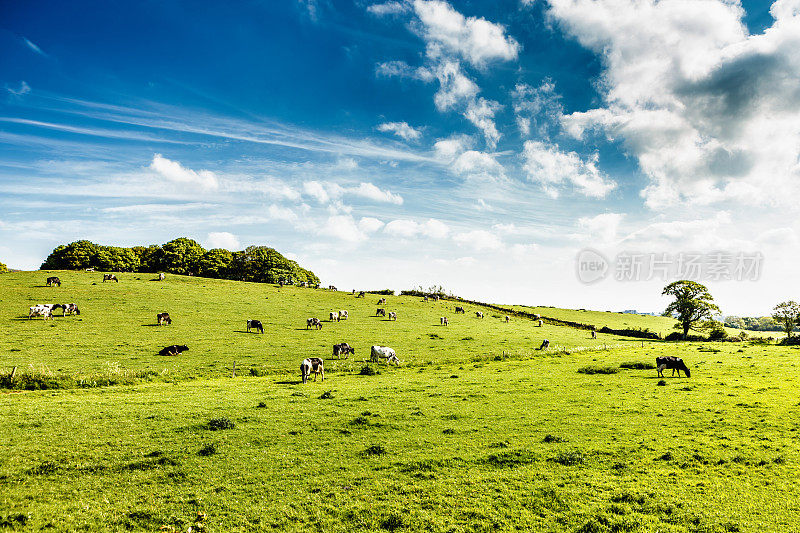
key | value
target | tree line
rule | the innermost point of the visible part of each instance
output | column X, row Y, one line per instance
column 181, row 256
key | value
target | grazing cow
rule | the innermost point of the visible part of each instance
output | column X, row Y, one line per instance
column 392, row 315
column 479, row 314
column 545, row 344
column 675, row 363
column 460, row 309
column 90, row 269
column 334, row 316
column 332, row 288
column 594, row 334
column 541, row 322
column 110, row 277
column 342, row 315
column 70, row 309
column 435, row 298
column 315, row 322
column 343, row 349
column 443, row 321
column 537, row 317
column 163, row 318
column 53, row 281
column 382, row 301
column 361, row 294
column 161, row 276
column 256, row 325
column 175, row 349
column 380, row 312
column 508, row 318
column 425, row 299
column 43, row 310
column 312, row 364
column 383, row 352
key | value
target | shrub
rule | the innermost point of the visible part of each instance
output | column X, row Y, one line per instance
column 367, row 370
column 552, row 438
column 592, row 369
column 216, row 424
column 208, row 449
column 510, row 459
column 637, row 365
column 375, row 449
column 568, row 458
column 327, row 395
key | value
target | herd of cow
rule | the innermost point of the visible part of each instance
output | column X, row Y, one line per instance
column 315, row 365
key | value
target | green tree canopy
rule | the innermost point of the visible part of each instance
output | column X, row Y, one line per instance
column 787, row 314
column 693, row 304
column 215, row 263
column 3, row 268
column 182, row 255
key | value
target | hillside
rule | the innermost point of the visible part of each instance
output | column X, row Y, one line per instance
column 476, row 430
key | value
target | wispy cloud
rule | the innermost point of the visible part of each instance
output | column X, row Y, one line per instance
column 174, row 171
column 401, row 129
column 34, row 47
column 22, row 89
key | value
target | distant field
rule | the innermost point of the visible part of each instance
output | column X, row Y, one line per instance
column 475, row 431
column 659, row 324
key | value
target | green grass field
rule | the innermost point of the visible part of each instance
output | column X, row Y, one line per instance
column 475, row 431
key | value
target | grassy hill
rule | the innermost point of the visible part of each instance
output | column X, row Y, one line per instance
column 475, row 431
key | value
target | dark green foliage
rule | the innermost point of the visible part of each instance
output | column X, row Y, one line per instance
column 552, row 438
column 183, row 256
column 367, row 370
column 327, row 395
column 12, row 520
column 392, row 522
column 594, row 369
column 3, row 268
column 637, row 365
column 568, row 458
column 375, row 449
column 208, row 449
column 661, row 383
column 510, row 459
column 216, row 424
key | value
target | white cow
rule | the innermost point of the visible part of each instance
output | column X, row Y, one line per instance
column 383, row 352
column 508, row 318
column 312, row 364
column 161, row 276
column 334, row 316
column 392, row 315
column 541, row 322
column 478, row 314
column 43, row 310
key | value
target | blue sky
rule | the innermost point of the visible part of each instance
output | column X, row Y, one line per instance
column 477, row 145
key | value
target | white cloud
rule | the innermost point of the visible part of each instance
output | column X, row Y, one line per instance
column 173, row 171
column 316, row 190
column 449, row 149
column 368, row 190
column 481, row 113
column 22, row 90
column 343, row 227
column 476, row 40
column 388, row 8
column 401, row 69
column 455, row 88
column 401, row 129
column 369, row 224
column 34, row 47
column 550, row 167
column 223, row 239
column 479, row 240
column 603, row 227
column 710, row 112
column 277, row 212
column 405, row 228
column 536, row 106
column 474, row 164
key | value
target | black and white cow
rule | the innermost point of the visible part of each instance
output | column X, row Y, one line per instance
column 443, row 321
column 53, row 280
column 380, row 312
column 383, row 352
column 343, row 349
column 256, row 325
column 343, row 315
column 479, row 314
column 675, row 363
column 545, row 344
column 594, row 334
column 313, row 322
column 163, row 318
column 175, row 349
column 392, row 315
column 382, row 301
column 43, row 310
column 334, row 316
column 312, row 364
column 110, row 277
column 460, row 309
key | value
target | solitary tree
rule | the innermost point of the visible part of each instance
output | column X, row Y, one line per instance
column 3, row 268
column 693, row 303
column 787, row 314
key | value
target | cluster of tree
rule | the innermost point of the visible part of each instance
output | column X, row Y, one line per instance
column 3, row 268
column 182, row 256
column 754, row 323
